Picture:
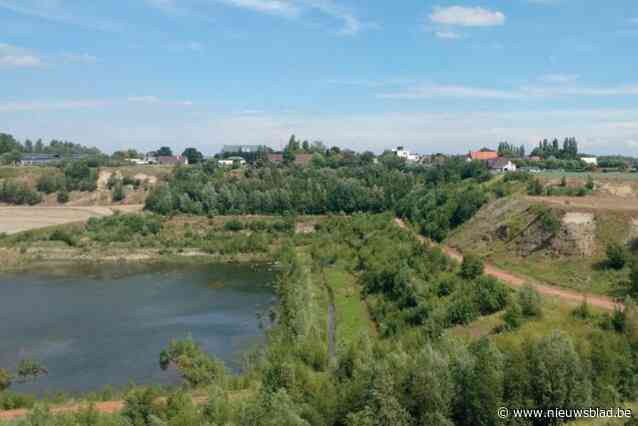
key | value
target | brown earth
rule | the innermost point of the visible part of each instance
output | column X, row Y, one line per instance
column 517, row 281
column 590, row 203
column 107, row 407
column 19, row 219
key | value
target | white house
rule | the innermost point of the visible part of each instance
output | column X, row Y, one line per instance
column 592, row 161
column 405, row 154
column 501, row 165
column 231, row 161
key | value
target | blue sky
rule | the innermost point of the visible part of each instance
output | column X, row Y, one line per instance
column 440, row 76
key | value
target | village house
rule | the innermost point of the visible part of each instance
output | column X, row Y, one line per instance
column 406, row 155
column 482, row 155
column 590, row 161
column 231, row 161
column 39, row 159
column 501, row 165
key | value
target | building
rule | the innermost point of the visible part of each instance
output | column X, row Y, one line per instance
column 302, row 159
column 590, row 161
column 231, row 161
column 172, row 160
column 406, row 155
column 501, row 165
column 243, row 149
column 482, row 155
column 276, row 158
column 39, row 159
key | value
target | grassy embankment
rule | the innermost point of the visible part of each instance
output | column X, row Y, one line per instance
column 147, row 237
column 519, row 215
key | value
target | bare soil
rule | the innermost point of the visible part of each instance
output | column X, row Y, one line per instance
column 19, row 219
column 590, row 203
column 517, row 281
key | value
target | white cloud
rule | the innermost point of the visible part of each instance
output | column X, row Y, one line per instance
column 467, row 16
column 448, row 35
column 274, row 7
column 559, row 78
column 57, row 11
column 16, row 57
column 290, row 9
column 522, row 93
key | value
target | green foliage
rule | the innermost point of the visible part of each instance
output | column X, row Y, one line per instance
column 5, row 379
column 19, row 193
column 472, row 267
column 66, row 236
column 118, row 193
column 63, row 196
column 233, row 225
column 30, row 369
column 530, row 301
column 616, row 256
column 535, row 187
column 123, row 227
column 549, row 221
column 195, row 366
column 140, row 406
column 513, row 316
column 633, row 280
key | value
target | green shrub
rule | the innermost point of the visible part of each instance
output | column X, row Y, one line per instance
column 65, row 236
column 63, row 196
column 118, row 192
column 616, row 256
column 5, row 379
column 233, row 225
column 472, row 267
column 530, row 301
column 513, row 316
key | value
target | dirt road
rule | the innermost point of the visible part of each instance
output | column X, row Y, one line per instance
column 516, row 281
column 590, row 203
column 19, row 219
column 107, row 407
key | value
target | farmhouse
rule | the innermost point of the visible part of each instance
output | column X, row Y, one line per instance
column 591, row 161
column 171, row 160
column 231, row 161
column 501, row 165
column 406, row 155
column 482, row 155
column 39, row 159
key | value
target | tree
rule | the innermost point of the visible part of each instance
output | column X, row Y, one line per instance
column 164, row 151
column 118, row 192
column 530, row 301
column 558, row 377
column 63, row 196
column 5, row 379
column 472, row 267
column 193, row 155
column 616, row 256
column 513, row 316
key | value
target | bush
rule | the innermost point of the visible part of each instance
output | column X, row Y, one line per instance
column 63, row 196
column 50, row 183
column 5, row 379
column 472, row 267
column 633, row 280
column 531, row 301
column 616, row 256
column 550, row 223
column 64, row 236
column 118, row 192
column 491, row 295
column 233, row 225
column 513, row 316
column 535, row 187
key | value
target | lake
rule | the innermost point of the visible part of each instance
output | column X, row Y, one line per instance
column 99, row 325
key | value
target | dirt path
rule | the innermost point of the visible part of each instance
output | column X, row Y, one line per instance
column 107, row 407
column 19, row 219
column 590, row 203
column 517, row 281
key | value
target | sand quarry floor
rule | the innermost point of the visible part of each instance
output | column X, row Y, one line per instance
column 19, row 219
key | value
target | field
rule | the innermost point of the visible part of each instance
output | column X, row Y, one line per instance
column 19, row 219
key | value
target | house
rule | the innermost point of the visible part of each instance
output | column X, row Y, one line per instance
column 482, row 155
column 39, row 159
column 501, row 165
column 244, row 149
column 231, row 161
column 534, row 158
column 406, row 155
column 302, row 159
column 590, row 161
column 276, row 158
column 171, row 160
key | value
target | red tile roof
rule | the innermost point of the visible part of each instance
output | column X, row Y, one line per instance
column 483, row 155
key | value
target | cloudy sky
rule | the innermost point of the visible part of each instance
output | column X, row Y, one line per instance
column 438, row 76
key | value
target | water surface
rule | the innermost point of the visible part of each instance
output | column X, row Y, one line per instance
column 103, row 325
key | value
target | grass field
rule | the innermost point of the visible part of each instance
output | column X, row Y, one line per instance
column 351, row 312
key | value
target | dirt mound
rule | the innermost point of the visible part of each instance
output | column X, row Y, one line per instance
column 577, row 235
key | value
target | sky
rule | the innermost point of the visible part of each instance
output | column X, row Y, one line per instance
column 433, row 76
